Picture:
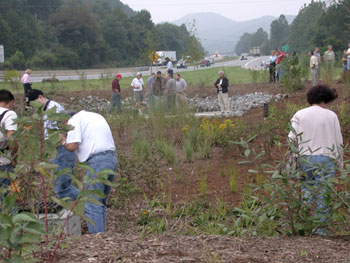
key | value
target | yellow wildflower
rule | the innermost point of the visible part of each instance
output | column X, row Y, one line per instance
column 222, row 126
column 186, row 128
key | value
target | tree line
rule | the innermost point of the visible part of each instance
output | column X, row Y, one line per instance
column 317, row 24
column 71, row 34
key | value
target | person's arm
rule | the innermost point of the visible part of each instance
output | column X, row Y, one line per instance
column 339, row 142
column 13, row 148
column 224, row 83
column 71, row 146
column 73, row 136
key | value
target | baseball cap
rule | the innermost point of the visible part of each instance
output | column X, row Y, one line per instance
column 119, row 75
column 34, row 94
column 139, row 74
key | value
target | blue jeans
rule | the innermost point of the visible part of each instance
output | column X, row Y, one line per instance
column 116, row 101
column 5, row 182
column 348, row 64
column 63, row 185
column 317, row 172
column 97, row 213
column 345, row 68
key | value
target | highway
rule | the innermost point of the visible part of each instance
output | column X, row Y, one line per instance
column 38, row 76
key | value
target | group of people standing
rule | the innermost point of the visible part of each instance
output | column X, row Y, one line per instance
column 159, row 91
column 316, row 63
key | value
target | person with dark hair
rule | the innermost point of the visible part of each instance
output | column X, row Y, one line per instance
column 93, row 142
column 317, row 133
column 319, row 61
column 27, row 85
column 221, row 86
column 64, row 159
column 329, row 57
column 181, row 87
column 150, row 83
column 7, row 122
column 159, row 90
column 116, row 100
column 169, row 67
column 314, row 68
column 272, row 66
column 170, row 88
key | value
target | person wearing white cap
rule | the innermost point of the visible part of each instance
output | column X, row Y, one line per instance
column 137, row 85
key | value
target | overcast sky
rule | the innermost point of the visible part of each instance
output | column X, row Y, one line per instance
column 238, row 10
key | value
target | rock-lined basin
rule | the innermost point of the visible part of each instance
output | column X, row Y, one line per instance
column 208, row 106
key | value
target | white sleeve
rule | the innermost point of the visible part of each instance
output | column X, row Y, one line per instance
column 74, row 136
column 295, row 124
column 8, row 121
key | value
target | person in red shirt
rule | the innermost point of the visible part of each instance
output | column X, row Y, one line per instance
column 116, row 100
column 280, row 58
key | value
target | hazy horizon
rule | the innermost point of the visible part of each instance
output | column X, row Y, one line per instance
column 237, row 10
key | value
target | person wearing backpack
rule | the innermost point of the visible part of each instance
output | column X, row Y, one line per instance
column 8, row 127
column 64, row 159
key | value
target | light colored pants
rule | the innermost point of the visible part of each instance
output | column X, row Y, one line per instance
column 223, row 101
column 314, row 76
column 329, row 69
column 181, row 100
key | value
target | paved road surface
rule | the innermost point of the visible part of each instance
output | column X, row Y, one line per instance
column 38, row 76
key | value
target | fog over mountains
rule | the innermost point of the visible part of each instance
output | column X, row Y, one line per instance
column 218, row 33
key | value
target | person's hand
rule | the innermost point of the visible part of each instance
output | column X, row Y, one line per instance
column 62, row 138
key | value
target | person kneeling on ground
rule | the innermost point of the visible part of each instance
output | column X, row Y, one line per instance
column 64, row 159
column 93, row 143
column 7, row 117
column 222, row 88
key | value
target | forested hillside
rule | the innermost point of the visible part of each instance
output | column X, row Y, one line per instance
column 316, row 24
column 74, row 34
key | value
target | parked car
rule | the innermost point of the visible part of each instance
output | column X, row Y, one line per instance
column 205, row 63
column 181, row 64
column 243, row 57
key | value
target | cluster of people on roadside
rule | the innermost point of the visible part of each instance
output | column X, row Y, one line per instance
column 278, row 57
column 89, row 142
column 159, row 91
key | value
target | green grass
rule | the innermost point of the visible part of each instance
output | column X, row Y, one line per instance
column 203, row 77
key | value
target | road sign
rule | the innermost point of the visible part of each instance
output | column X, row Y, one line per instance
column 2, row 54
column 153, row 57
column 285, row 48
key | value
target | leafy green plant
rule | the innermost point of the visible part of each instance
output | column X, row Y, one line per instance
column 203, row 185
column 32, row 181
column 13, row 78
column 167, row 151
column 233, row 178
column 141, row 149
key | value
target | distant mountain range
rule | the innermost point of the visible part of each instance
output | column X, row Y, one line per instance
column 219, row 33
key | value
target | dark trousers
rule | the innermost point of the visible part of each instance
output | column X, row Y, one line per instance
column 272, row 70
column 171, row 73
column 27, row 88
column 5, row 182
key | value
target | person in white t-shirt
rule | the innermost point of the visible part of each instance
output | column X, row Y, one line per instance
column 314, row 67
column 27, row 85
column 64, row 159
column 137, row 85
column 317, row 134
column 93, row 143
column 8, row 151
column 169, row 67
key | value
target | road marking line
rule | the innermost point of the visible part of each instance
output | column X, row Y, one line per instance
column 246, row 66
